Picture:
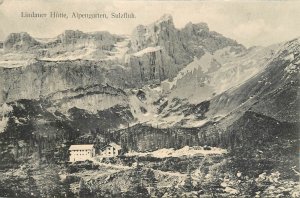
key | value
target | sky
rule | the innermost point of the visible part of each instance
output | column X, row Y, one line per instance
column 248, row 22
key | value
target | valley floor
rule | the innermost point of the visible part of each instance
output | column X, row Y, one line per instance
column 213, row 173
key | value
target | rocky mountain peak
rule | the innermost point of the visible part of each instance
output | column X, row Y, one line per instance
column 19, row 41
column 70, row 36
column 152, row 35
column 166, row 18
column 196, row 27
column 72, row 33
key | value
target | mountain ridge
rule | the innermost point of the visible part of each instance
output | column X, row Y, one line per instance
column 208, row 89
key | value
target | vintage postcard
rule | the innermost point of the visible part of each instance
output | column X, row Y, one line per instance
column 140, row 99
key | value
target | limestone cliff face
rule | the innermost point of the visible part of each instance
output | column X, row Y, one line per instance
column 180, row 44
column 76, row 59
column 156, row 51
column 161, row 33
column 151, row 65
column 43, row 78
column 159, row 51
column 92, row 98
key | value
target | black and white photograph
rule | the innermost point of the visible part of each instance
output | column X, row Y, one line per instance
column 149, row 99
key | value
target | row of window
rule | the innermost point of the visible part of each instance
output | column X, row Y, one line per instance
column 112, row 153
column 81, row 154
column 80, row 150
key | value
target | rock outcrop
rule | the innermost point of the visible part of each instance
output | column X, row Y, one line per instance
column 161, row 33
column 19, row 42
column 78, row 39
column 159, row 50
column 198, row 37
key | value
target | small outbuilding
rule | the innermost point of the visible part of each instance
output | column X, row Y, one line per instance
column 110, row 150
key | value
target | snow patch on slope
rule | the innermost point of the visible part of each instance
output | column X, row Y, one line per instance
column 215, row 73
column 93, row 103
column 3, row 123
column 120, row 50
column 4, row 110
column 135, row 104
column 87, row 53
column 147, row 50
column 155, row 115
column 190, row 68
column 12, row 60
column 185, row 151
column 91, row 52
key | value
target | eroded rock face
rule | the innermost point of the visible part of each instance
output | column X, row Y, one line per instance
column 43, row 78
column 156, row 52
column 159, row 51
column 181, row 45
column 76, row 59
column 151, row 65
column 161, row 33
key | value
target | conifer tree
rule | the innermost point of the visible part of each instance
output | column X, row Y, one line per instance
column 84, row 191
column 188, row 183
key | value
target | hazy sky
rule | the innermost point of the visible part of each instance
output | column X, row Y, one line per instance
column 248, row 22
